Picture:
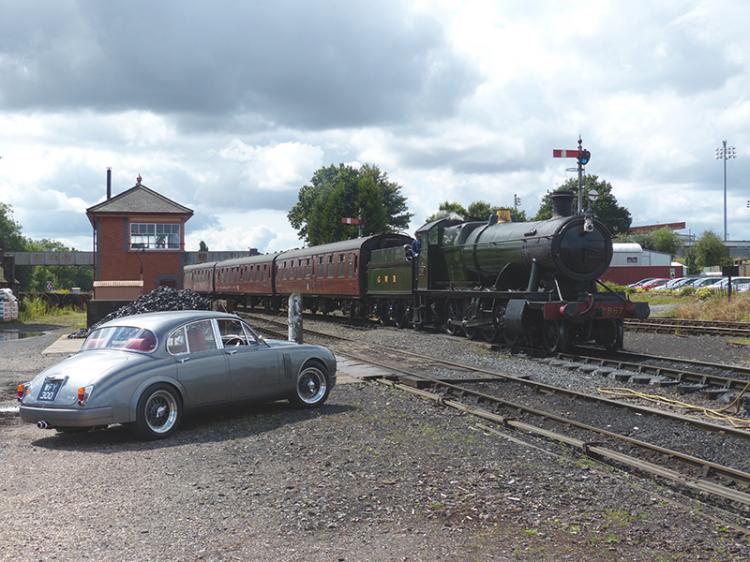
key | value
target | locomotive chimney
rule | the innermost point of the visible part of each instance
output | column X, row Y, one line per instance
column 109, row 183
column 562, row 203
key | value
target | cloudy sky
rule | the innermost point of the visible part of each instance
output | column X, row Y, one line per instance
column 228, row 107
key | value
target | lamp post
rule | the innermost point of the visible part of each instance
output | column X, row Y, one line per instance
column 724, row 153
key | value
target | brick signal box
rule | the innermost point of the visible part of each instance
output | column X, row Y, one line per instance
column 139, row 235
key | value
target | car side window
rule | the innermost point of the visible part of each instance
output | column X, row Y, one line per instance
column 232, row 333
column 200, row 336
column 176, row 342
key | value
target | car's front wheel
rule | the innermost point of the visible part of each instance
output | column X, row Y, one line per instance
column 313, row 386
column 159, row 412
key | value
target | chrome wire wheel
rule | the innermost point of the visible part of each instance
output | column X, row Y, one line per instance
column 161, row 411
column 312, row 385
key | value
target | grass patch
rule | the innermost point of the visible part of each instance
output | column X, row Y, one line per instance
column 739, row 341
column 717, row 307
column 36, row 311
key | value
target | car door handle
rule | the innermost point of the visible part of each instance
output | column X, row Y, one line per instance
column 184, row 359
column 231, row 351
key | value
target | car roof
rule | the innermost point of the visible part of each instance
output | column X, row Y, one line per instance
column 161, row 321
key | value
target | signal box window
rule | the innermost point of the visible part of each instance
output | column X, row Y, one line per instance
column 154, row 236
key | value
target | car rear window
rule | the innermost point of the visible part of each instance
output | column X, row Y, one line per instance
column 121, row 337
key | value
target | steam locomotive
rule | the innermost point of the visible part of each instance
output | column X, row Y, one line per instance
column 535, row 282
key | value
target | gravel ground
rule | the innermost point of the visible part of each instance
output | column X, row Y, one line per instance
column 376, row 474
column 715, row 349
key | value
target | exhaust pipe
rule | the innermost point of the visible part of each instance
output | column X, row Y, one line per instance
column 42, row 424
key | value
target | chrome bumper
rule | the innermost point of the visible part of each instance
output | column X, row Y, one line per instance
column 67, row 417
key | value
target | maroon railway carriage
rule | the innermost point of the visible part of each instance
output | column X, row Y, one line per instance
column 200, row 277
column 248, row 281
column 331, row 276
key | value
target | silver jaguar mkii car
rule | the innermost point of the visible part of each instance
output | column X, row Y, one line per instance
column 146, row 370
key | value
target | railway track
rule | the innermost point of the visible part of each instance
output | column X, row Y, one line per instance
column 685, row 326
column 555, row 414
column 714, row 379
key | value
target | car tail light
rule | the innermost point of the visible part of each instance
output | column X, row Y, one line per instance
column 84, row 393
column 21, row 391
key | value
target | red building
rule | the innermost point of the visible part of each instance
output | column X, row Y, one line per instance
column 139, row 235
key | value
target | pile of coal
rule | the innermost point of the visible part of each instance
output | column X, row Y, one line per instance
column 160, row 299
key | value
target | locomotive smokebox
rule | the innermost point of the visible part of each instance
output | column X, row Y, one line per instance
column 562, row 203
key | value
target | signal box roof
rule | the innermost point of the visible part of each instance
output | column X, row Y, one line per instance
column 139, row 199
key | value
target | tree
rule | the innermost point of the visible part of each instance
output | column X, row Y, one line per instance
column 709, row 250
column 202, row 247
column 339, row 191
column 606, row 208
column 662, row 240
column 477, row 211
column 10, row 231
column 60, row 276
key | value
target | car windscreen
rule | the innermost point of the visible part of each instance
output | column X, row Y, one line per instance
column 121, row 337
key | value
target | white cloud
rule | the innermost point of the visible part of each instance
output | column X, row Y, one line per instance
column 468, row 105
column 281, row 166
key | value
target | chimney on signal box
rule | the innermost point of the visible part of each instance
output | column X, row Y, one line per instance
column 109, row 183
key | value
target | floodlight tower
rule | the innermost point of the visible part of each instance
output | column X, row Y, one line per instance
column 725, row 153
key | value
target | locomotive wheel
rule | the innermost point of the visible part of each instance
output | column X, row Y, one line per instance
column 401, row 316
column 555, row 336
column 469, row 314
column 452, row 325
column 492, row 333
column 609, row 334
column 384, row 315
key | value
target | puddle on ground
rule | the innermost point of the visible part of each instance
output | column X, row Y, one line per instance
column 6, row 335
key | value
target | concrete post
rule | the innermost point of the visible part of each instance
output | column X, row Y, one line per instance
column 295, row 317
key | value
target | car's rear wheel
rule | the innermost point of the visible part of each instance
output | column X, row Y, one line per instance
column 159, row 412
column 313, row 386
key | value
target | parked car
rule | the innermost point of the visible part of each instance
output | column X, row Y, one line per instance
column 723, row 283
column 648, row 285
column 704, row 282
column 148, row 369
column 641, row 282
column 683, row 282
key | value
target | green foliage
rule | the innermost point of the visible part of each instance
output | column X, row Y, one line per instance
column 10, row 230
column 704, row 293
column 203, row 247
column 60, row 276
column 709, row 250
column 686, row 291
column 663, row 240
column 606, row 208
column 32, row 308
column 36, row 278
column 335, row 192
column 35, row 309
column 476, row 211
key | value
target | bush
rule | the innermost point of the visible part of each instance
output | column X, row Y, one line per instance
column 704, row 293
column 31, row 308
column 616, row 288
column 686, row 291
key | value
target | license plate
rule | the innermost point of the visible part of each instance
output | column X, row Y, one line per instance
column 49, row 390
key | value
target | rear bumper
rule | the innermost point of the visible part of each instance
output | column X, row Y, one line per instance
column 67, row 417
